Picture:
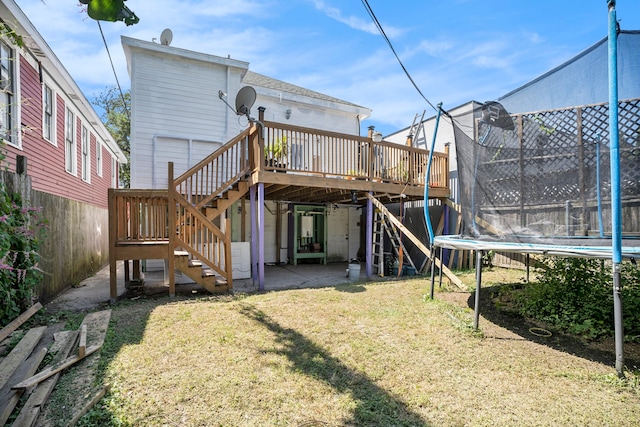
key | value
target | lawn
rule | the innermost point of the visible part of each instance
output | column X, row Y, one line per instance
column 379, row 354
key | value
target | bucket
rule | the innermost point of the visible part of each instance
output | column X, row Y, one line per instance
column 354, row 269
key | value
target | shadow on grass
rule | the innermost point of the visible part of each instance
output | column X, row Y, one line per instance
column 602, row 351
column 374, row 405
column 351, row 288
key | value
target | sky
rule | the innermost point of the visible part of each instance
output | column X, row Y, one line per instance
column 455, row 50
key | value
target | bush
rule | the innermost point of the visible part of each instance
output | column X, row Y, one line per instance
column 20, row 233
column 575, row 295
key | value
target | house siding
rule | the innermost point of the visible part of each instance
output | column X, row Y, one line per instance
column 46, row 162
column 178, row 116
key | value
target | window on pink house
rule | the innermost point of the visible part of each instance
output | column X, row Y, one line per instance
column 70, row 150
column 48, row 120
column 7, row 95
column 86, row 156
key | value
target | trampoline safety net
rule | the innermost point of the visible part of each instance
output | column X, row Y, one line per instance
column 545, row 177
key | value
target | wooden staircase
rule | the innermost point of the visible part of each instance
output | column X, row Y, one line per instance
column 180, row 224
column 194, row 269
column 202, row 249
column 226, row 199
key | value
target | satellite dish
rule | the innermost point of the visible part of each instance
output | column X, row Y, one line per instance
column 166, row 37
column 244, row 100
column 494, row 114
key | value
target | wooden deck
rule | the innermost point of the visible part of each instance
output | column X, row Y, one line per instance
column 295, row 164
column 306, row 165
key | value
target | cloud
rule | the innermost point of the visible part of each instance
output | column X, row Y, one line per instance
column 434, row 48
column 354, row 22
column 532, row 37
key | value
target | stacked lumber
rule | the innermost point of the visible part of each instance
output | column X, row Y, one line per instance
column 25, row 385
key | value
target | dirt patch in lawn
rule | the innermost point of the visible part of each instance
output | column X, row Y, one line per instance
column 601, row 350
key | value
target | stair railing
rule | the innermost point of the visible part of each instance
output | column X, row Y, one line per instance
column 197, row 187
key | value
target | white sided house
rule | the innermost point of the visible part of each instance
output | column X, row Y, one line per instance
column 180, row 115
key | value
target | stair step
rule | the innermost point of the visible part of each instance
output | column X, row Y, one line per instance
column 195, row 263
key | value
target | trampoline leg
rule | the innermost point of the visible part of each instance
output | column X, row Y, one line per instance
column 617, row 319
column 476, row 319
column 528, row 263
column 433, row 274
column 440, row 269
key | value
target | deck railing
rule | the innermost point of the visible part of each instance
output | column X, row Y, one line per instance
column 138, row 216
column 197, row 187
column 214, row 174
column 334, row 155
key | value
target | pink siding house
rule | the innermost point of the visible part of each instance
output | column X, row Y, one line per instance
column 52, row 135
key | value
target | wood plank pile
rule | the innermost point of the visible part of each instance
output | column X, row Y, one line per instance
column 25, row 384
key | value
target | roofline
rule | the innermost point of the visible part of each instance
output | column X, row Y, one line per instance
column 129, row 42
column 304, row 91
column 36, row 46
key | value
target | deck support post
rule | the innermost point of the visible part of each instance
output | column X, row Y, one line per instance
column 113, row 282
column 171, row 260
column 254, row 235
column 369, row 238
column 261, row 236
column 113, row 278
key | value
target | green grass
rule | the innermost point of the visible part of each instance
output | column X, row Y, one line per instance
column 382, row 356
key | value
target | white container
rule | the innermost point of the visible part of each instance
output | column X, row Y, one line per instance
column 354, row 271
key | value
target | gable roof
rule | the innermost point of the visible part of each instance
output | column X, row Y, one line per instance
column 271, row 83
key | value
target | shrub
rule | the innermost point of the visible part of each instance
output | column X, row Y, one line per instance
column 20, row 235
column 575, row 295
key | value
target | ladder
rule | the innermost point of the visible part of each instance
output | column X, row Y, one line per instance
column 415, row 129
column 382, row 226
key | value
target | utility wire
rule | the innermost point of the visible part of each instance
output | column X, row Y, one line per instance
column 124, row 103
column 384, row 35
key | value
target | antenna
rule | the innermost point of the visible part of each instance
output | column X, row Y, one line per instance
column 166, row 37
column 245, row 100
column 494, row 114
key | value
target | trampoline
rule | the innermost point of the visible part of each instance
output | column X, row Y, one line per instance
column 557, row 182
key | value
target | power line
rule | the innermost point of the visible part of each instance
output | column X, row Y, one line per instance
column 124, row 103
column 384, row 35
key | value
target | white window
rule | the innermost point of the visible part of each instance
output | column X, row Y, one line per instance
column 48, row 114
column 86, row 155
column 8, row 96
column 114, row 173
column 70, row 150
column 98, row 158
